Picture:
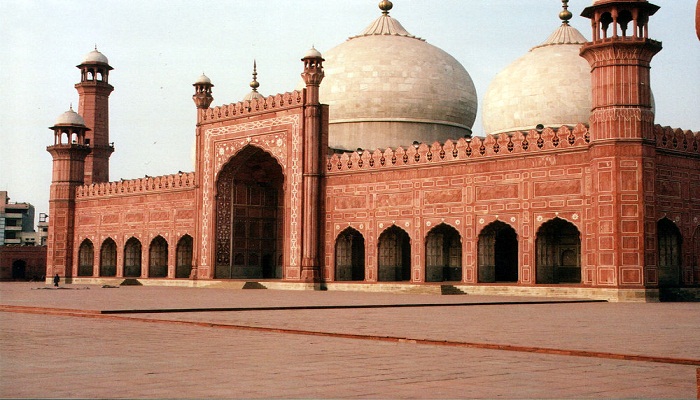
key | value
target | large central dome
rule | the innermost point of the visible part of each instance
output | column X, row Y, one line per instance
column 388, row 88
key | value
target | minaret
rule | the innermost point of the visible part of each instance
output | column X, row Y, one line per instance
column 620, row 55
column 623, row 154
column 94, row 90
column 202, row 98
column 312, row 170
column 69, row 152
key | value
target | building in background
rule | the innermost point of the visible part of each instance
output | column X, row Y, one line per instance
column 369, row 177
column 22, row 249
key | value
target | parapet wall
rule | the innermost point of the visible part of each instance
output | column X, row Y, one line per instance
column 271, row 103
column 519, row 142
column 183, row 180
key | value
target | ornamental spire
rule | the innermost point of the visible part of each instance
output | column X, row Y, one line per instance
column 565, row 15
column 254, row 83
column 385, row 6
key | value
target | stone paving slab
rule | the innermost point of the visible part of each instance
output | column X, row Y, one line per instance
column 63, row 356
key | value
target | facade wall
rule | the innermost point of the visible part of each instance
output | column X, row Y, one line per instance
column 222, row 133
column 523, row 181
column 141, row 208
column 22, row 262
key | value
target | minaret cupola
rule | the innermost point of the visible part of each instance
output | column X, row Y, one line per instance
column 202, row 92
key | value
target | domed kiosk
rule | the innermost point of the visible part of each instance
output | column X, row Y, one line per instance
column 550, row 85
column 388, row 88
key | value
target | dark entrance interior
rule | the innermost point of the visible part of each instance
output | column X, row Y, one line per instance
column 498, row 253
column 669, row 242
column 443, row 254
column 558, row 250
column 350, row 256
column 394, row 255
column 19, row 269
column 249, row 215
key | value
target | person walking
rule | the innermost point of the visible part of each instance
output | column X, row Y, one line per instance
column 56, row 279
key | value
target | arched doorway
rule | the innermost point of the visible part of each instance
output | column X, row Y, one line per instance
column 558, row 252
column 158, row 258
column 669, row 253
column 183, row 262
column 19, row 269
column 350, row 256
column 86, row 258
column 249, row 217
column 132, row 258
column 443, row 254
column 108, row 258
column 394, row 255
column 498, row 253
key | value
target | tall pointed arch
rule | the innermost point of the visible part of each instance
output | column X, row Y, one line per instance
column 669, row 252
column 132, row 258
column 558, row 252
column 86, row 258
column 108, row 258
column 498, row 253
column 183, row 257
column 158, row 258
column 443, row 254
column 249, row 217
column 350, row 256
column 394, row 255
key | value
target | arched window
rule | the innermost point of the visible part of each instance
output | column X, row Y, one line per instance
column 183, row 262
column 443, row 254
column 132, row 258
column 669, row 241
column 158, row 258
column 394, row 255
column 498, row 253
column 108, row 258
column 350, row 256
column 558, row 252
column 86, row 257
column 696, row 255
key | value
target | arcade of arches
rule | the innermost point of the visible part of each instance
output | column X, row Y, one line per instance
column 132, row 260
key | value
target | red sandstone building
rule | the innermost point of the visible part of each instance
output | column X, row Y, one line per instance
column 368, row 177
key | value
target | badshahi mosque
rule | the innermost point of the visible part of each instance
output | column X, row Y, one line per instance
column 367, row 177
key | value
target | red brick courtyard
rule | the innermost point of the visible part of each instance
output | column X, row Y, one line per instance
column 158, row 342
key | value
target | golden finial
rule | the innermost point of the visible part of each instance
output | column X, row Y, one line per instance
column 565, row 15
column 254, row 84
column 385, row 6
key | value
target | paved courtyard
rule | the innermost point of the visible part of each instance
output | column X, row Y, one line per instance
column 158, row 342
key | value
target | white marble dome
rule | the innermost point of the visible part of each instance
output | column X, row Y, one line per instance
column 550, row 85
column 95, row 57
column 71, row 118
column 388, row 88
column 203, row 79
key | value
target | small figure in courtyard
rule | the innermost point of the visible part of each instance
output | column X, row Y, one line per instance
column 56, row 279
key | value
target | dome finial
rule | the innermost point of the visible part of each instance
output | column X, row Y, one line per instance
column 565, row 15
column 255, row 84
column 385, row 6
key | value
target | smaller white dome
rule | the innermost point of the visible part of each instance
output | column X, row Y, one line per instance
column 203, row 79
column 253, row 95
column 95, row 57
column 313, row 53
column 69, row 117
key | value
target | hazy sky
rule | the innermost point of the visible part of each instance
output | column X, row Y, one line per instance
column 158, row 48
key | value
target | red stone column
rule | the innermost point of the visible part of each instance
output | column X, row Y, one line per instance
column 312, row 169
